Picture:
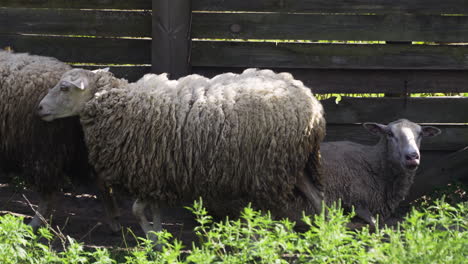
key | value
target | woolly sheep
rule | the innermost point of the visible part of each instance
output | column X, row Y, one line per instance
column 250, row 137
column 43, row 152
column 374, row 179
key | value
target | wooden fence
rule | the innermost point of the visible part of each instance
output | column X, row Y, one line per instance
column 334, row 46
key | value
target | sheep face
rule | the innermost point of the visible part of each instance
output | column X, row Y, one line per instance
column 69, row 96
column 403, row 139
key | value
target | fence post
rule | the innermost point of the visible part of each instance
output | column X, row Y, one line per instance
column 171, row 44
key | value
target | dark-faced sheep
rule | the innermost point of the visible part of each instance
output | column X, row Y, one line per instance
column 246, row 137
column 374, row 179
column 44, row 152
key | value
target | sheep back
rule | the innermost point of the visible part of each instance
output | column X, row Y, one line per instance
column 42, row 151
column 243, row 135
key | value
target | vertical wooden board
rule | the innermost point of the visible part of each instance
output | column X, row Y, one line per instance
column 171, row 37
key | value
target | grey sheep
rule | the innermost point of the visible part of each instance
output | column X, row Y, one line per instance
column 374, row 179
column 45, row 153
column 236, row 137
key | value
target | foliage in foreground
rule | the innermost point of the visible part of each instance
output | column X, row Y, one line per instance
column 437, row 234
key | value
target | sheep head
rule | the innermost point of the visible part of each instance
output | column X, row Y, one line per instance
column 403, row 139
column 69, row 95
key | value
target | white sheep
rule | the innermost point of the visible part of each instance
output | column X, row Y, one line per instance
column 374, row 179
column 250, row 137
column 44, row 152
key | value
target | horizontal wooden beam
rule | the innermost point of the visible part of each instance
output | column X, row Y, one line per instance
column 328, row 56
column 385, row 110
column 325, row 81
column 75, row 22
column 130, row 73
column 453, row 137
column 314, row 6
column 79, row 4
column 83, row 50
column 337, row 6
column 391, row 27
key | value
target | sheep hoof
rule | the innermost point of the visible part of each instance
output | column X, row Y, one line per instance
column 114, row 226
column 35, row 223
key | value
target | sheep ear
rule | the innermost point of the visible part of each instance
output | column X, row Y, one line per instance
column 375, row 128
column 430, row 131
column 101, row 70
column 80, row 83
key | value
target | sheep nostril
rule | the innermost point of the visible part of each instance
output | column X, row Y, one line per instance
column 412, row 156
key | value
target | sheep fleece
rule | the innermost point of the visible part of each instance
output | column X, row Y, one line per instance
column 42, row 151
column 236, row 135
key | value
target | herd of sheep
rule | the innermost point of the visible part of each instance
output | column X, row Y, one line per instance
column 235, row 139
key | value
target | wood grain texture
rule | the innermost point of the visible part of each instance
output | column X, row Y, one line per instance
column 130, row 73
column 83, row 50
column 75, row 22
column 77, row 4
column 326, row 6
column 324, row 81
column 171, row 37
column 441, row 172
column 385, row 110
column 388, row 27
column 328, row 56
column 337, row 6
column 453, row 137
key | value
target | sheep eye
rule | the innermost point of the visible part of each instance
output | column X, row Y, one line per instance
column 390, row 134
column 64, row 88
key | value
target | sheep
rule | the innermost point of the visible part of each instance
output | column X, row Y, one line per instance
column 374, row 179
column 43, row 152
column 236, row 137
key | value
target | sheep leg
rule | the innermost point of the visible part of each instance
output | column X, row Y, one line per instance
column 138, row 210
column 308, row 189
column 110, row 206
column 364, row 213
column 43, row 210
column 157, row 226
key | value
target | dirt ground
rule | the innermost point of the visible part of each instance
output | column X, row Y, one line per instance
column 81, row 216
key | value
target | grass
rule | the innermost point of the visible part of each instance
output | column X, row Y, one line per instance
column 434, row 234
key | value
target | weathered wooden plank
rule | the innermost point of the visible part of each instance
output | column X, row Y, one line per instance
column 131, row 73
column 337, row 6
column 83, row 50
column 79, row 4
column 75, row 22
column 328, row 56
column 453, row 137
column 326, row 6
column 391, row 27
column 385, row 110
column 368, row 81
column 443, row 171
column 171, row 37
